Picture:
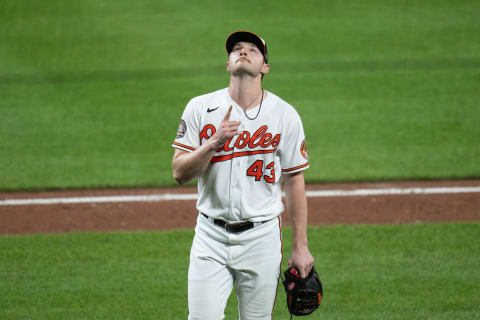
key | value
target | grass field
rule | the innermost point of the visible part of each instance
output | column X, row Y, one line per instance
column 425, row 271
column 91, row 92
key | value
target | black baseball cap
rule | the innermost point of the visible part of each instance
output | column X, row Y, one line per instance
column 246, row 36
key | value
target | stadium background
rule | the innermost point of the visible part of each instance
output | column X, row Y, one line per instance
column 90, row 97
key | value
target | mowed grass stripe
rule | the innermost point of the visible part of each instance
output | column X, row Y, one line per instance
column 154, row 73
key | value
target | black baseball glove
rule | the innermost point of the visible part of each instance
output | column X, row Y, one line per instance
column 303, row 295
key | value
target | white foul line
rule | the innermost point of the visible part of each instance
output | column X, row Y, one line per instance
column 126, row 198
column 392, row 191
column 192, row 196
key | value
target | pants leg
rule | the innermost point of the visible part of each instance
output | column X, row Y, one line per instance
column 210, row 281
column 252, row 259
column 257, row 270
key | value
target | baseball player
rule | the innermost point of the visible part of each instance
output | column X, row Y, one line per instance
column 242, row 142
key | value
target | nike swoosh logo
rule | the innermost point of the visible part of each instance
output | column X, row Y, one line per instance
column 210, row 110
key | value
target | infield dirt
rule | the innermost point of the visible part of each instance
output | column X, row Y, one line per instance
column 181, row 214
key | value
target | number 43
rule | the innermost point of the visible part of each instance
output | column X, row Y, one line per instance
column 256, row 170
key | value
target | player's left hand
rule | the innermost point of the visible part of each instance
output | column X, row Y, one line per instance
column 302, row 260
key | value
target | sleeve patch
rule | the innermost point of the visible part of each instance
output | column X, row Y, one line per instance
column 182, row 128
column 303, row 150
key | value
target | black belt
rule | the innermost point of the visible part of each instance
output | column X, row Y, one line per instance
column 236, row 227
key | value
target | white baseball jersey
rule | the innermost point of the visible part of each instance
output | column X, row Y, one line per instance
column 243, row 180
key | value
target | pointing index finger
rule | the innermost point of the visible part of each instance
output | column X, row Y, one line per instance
column 227, row 116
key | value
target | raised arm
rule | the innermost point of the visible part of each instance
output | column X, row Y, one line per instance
column 189, row 165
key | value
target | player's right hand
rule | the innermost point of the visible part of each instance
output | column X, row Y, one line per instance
column 226, row 130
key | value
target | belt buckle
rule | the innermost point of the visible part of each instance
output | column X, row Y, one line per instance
column 237, row 227
column 230, row 227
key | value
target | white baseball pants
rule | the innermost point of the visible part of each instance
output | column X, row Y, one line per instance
column 219, row 259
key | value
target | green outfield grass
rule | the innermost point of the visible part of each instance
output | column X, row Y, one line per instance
column 91, row 92
column 422, row 271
